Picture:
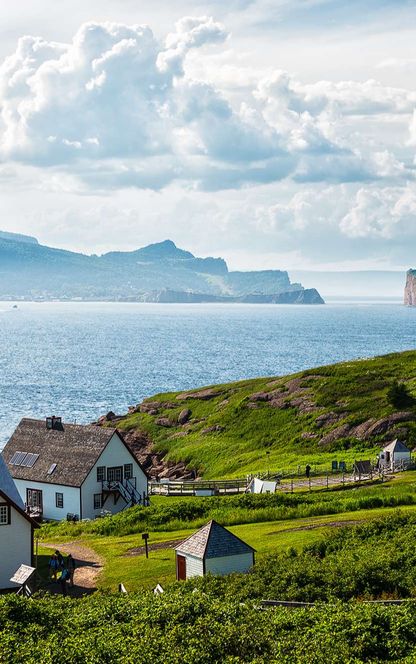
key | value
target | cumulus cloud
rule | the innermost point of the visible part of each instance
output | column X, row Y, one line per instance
column 117, row 108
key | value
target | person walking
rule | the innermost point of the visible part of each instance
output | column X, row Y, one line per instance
column 63, row 580
column 71, row 567
column 60, row 559
column 308, row 471
column 53, row 567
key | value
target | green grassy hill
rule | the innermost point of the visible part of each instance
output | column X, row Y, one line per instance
column 342, row 412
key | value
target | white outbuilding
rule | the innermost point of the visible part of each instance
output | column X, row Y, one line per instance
column 261, row 486
column 16, row 530
column 73, row 471
column 212, row 549
column 394, row 456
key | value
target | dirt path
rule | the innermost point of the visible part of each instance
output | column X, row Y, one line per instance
column 89, row 565
column 140, row 550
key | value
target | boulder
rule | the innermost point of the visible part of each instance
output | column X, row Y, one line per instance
column 213, row 429
column 184, row 416
column 164, row 422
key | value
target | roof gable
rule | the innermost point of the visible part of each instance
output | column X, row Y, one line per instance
column 213, row 541
column 7, row 486
column 74, row 449
column 396, row 446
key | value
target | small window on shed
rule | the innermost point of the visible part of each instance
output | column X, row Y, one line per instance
column 128, row 471
column 59, row 499
column 100, row 474
column 98, row 501
column 4, row 515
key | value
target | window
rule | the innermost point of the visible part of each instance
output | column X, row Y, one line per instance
column 128, row 471
column 59, row 499
column 4, row 515
column 98, row 501
column 100, row 473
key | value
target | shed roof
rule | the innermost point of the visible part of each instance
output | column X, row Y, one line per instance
column 213, row 541
column 74, row 448
column 7, row 486
column 396, row 446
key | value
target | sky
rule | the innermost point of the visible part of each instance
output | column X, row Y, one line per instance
column 274, row 133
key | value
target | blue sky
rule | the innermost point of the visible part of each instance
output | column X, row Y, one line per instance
column 276, row 133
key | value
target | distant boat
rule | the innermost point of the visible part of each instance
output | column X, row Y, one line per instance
column 15, row 306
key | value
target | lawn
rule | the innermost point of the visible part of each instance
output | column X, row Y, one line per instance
column 270, row 537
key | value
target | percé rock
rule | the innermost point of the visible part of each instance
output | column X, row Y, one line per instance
column 410, row 289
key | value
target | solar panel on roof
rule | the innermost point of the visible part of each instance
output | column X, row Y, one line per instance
column 19, row 458
column 14, row 457
column 30, row 460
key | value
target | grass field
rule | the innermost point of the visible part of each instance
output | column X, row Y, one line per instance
column 281, row 423
column 265, row 536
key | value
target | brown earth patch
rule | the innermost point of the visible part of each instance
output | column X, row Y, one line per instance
column 141, row 550
column 89, row 565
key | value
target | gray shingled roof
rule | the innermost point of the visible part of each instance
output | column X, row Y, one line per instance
column 7, row 486
column 396, row 446
column 213, row 541
column 75, row 449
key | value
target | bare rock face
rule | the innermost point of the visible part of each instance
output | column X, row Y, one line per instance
column 204, row 395
column 410, row 289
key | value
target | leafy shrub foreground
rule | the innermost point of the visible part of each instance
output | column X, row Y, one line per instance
column 372, row 561
column 189, row 627
column 219, row 620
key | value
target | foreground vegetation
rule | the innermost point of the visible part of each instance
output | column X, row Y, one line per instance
column 219, row 619
column 333, row 412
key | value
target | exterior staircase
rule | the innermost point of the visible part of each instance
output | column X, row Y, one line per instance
column 127, row 491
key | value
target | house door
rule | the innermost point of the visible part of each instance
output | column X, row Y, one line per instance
column 34, row 499
column 115, row 474
column 180, row 568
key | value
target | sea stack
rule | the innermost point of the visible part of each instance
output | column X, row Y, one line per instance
column 410, row 289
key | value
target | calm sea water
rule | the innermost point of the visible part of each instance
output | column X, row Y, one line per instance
column 79, row 360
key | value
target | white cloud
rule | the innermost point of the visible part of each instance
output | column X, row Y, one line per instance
column 117, row 108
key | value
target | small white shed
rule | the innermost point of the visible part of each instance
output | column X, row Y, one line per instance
column 261, row 486
column 212, row 549
column 395, row 455
column 16, row 530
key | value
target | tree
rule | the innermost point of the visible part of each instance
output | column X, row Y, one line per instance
column 398, row 395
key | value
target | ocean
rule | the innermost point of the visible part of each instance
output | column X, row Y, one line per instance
column 80, row 360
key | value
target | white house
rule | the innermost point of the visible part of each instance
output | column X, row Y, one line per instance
column 69, row 469
column 16, row 530
column 261, row 486
column 212, row 549
column 394, row 455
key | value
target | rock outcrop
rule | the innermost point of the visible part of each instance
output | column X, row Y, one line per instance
column 410, row 289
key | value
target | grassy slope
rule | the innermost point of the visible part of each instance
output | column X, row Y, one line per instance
column 277, row 534
column 355, row 390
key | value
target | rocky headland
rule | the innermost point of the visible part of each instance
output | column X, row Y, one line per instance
column 410, row 289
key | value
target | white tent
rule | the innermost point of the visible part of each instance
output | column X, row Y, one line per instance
column 261, row 486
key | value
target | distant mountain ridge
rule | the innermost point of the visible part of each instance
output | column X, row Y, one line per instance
column 155, row 273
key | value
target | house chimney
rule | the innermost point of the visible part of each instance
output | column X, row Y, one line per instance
column 53, row 422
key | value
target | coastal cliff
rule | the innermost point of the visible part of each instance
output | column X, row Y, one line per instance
column 410, row 289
